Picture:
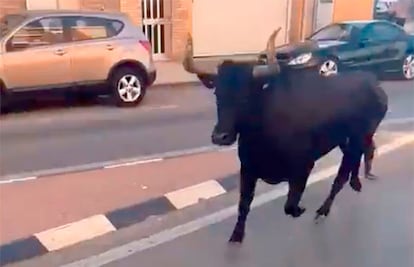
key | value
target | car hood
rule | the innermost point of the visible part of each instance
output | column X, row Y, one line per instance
column 294, row 49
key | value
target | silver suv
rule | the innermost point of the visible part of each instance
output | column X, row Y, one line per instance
column 89, row 52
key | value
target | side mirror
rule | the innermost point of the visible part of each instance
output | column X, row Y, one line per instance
column 13, row 45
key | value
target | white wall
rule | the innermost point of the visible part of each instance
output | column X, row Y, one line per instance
column 324, row 13
column 224, row 27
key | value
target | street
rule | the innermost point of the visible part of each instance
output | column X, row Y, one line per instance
column 374, row 229
column 169, row 120
column 370, row 229
column 72, row 216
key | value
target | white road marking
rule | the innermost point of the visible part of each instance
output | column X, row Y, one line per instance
column 168, row 235
column 70, row 234
column 192, row 194
column 148, row 108
column 133, row 163
column 23, row 179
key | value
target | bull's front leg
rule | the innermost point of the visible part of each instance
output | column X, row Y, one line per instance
column 247, row 190
column 297, row 185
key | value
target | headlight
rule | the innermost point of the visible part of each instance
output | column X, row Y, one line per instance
column 301, row 59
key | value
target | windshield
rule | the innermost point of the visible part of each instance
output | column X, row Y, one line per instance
column 8, row 22
column 333, row 32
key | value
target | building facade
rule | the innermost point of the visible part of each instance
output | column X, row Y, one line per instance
column 218, row 27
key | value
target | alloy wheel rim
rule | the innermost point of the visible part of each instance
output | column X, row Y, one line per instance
column 408, row 67
column 129, row 88
column 329, row 67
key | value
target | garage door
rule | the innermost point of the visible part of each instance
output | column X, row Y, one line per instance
column 353, row 9
column 225, row 27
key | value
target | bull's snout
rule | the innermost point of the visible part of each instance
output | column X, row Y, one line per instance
column 223, row 139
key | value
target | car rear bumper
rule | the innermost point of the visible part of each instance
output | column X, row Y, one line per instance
column 152, row 76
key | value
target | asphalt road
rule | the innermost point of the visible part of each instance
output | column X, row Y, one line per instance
column 370, row 229
column 374, row 229
column 168, row 120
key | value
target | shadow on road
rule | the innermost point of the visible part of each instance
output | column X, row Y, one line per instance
column 55, row 103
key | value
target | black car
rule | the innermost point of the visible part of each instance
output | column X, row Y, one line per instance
column 375, row 45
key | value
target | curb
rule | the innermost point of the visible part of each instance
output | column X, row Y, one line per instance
column 73, row 233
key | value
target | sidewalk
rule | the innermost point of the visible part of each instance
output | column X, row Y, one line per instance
column 173, row 73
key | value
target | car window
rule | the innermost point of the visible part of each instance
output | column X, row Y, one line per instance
column 45, row 31
column 91, row 28
column 332, row 32
column 382, row 32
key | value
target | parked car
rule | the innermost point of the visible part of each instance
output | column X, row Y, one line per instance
column 87, row 52
column 375, row 45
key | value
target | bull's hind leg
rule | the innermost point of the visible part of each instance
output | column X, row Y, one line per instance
column 339, row 182
column 349, row 166
column 297, row 185
column 357, row 150
column 355, row 182
column 247, row 190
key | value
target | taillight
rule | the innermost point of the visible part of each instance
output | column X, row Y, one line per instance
column 146, row 45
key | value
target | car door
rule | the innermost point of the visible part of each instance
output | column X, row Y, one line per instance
column 384, row 46
column 393, row 44
column 91, row 49
column 368, row 50
column 37, row 57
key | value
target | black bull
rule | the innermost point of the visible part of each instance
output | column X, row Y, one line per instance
column 286, row 122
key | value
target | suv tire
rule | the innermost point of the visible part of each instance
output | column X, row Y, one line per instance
column 127, row 86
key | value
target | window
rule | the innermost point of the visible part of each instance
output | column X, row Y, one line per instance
column 45, row 31
column 332, row 32
column 382, row 32
column 90, row 28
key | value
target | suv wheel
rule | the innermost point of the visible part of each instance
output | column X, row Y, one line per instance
column 5, row 101
column 128, row 87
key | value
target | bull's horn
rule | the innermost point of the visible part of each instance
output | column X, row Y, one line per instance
column 270, row 47
column 272, row 67
column 188, row 61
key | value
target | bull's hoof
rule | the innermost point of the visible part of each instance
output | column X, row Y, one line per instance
column 371, row 176
column 322, row 211
column 355, row 184
column 236, row 237
column 294, row 211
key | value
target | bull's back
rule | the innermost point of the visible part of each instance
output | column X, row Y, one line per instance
column 314, row 100
column 318, row 113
